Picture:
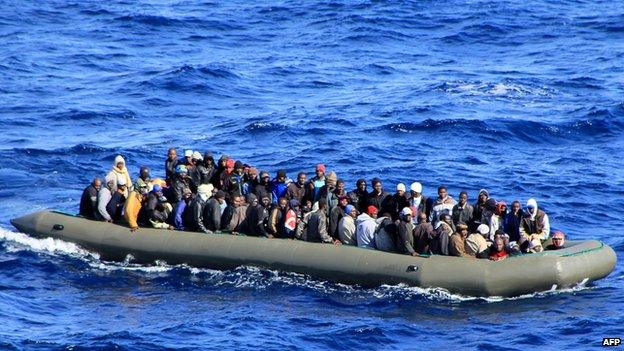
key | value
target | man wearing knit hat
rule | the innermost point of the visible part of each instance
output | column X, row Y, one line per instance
column 233, row 182
column 346, row 226
column 195, row 219
column 397, row 202
column 316, row 183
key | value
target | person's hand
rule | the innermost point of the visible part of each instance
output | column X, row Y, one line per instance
column 414, row 253
column 134, row 229
column 170, row 227
column 109, row 220
column 234, row 233
column 270, row 236
column 337, row 242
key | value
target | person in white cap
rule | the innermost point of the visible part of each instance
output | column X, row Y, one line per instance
column 188, row 157
column 417, row 201
column 406, row 233
column 476, row 244
column 396, row 203
column 535, row 222
column 443, row 205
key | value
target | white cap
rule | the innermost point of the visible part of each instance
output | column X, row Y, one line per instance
column 205, row 189
column 401, row 187
column 416, row 187
column 406, row 211
column 483, row 229
column 188, row 153
column 196, row 155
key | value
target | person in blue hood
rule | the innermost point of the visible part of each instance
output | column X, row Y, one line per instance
column 279, row 186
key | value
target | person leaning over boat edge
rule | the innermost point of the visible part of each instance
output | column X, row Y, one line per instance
column 558, row 241
column 88, row 200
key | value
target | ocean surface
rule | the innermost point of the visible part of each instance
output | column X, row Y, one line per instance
column 524, row 98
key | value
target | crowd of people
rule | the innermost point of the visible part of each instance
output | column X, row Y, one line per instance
column 231, row 197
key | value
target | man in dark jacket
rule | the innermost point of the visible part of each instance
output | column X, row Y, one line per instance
column 180, row 183
column 214, row 210
column 157, row 207
column 378, row 196
column 511, row 222
column 297, row 190
column 205, row 169
column 396, row 202
column 88, row 200
column 359, row 196
column 336, row 215
column 462, row 211
column 233, row 182
column 317, row 227
column 439, row 244
column 116, row 204
column 170, row 165
column 278, row 218
column 406, row 233
column 194, row 215
column 263, row 188
column 216, row 177
column 423, row 232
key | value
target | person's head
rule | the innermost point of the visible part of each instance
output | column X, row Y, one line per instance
column 252, row 173
column 97, row 183
column 265, row 177
column 157, row 190
column 282, row 203
column 294, row 204
column 462, row 229
column 499, row 243
column 446, row 218
column 422, row 217
column 558, row 239
column 239, row 168
column 266, row 201
column 416, row 189
column 483, row 196
column 281, row 176
column 351, row 211
column 376, row 182
column 361, row 184
column 188, row 156
column 197, row 157
column 121, row 187
column 223, row 161
column 220, row 196
column 238, row 200
column 400, row 189
column 246, row 168
column 343, row 201
column 208, row 159
column 516, row 207
column 119, row 163
column 501, row 208
column 483, row 229
column 406, row 214
column 301, row 178
column 531, row 206
column 322, row 205
column 320, row 170
column 172, row 154
column 110, row 183
column 372, row 211
column 205, row 190
column 144, row 173
column 181, row 171
column 229, row 166
column 331, row 180
column 252, row 200
column 442, row 192
column 340, row 186
column 463, row 198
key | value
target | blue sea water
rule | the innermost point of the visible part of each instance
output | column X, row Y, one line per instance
column 522, row 98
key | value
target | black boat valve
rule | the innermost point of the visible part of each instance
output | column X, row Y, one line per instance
column 58, row 227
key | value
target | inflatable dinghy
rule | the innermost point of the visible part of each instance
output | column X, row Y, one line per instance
column 578, row 262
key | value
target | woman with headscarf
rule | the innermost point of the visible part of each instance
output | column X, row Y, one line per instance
column 119, row 171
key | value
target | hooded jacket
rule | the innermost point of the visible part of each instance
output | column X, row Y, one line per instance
column 536, row 223
column 365, row 231
column 104, row 196
column 317, row 228
column 116, row 173
column 439, row 244
column 194, row 215
column 346, row 230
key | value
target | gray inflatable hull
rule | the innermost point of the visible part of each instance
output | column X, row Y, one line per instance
column 580, row 261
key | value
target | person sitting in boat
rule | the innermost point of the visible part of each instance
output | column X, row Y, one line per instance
column 195, row 215
column 386, row 233
column 293, row 216
column 406, row 233
column 279, row 185
column 220, row 169
column 442, row 205
column 317, row 226
column 229, row 168
column 336, row 215
column 116, row 204
column 396, row 202
column 457, row 244
column 132, row 208
column 462, row 211
column 250, row 180
column 180, row 183
column 477, row 244
column 302, row 226
column 316, row 183
column 238, row 220
column 119, row 171
column 180, row 210
column 263, row 188
column 558, row 241
column 423, row 232
column 233, row 182
column 480, row 214
column 277, row 218
column 358, row 197
column 188, row 158
column 496, row 221
column 104, row 196
column 327, row 192
column 88, row 200
column 378, row 196
column 170, row 165
column 511, row 223
column 346, row 226
column 534, row 222
column 418, row 202
column 205, row 169
column 297, row 190
column 439, row 244
column 157, row 208
column 256, row 214
column 144, row 179
column 214, row 210
column 498, row 251
column 365, row 229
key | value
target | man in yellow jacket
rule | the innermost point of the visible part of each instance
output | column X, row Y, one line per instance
column 132, row 208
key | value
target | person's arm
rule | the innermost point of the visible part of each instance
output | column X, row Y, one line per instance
column 546, row 230
column 273, row 221
column 103, row 199
column 198, row 218
column 322, row 229
column 404, row 236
